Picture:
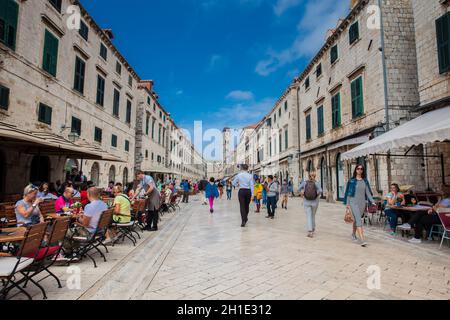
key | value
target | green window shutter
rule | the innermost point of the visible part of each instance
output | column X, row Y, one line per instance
column 357, row 98
column 80, row 68
column 45, row 114
column 320, row 125
column 116, row 103
column 308, row 127
column 127, row 145
column 354, row 32
column 128, row 117
column 4, row 98
column 334, row 54
column 9, row 12
column 443, row 42
column 336, row 110
column 50, row 56
column 286, row 138
column 114, row 140
column 100, row 90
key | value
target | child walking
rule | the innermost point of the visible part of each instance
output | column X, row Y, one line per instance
column 211, row 193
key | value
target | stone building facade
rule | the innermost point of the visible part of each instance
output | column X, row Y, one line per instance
column 74, row 95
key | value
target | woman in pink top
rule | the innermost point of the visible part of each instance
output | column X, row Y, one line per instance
column 65, row 201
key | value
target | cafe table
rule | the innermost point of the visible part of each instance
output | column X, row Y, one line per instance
column 10, row 235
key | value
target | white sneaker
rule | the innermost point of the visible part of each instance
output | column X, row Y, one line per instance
column 405, row 226
column 415, row 241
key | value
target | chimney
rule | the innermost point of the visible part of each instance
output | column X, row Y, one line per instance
column 353, row 3
column 148, row 84
column 109, row 33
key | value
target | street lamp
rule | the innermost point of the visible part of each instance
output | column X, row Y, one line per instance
column 73, row 137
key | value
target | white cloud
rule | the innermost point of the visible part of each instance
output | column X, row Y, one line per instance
column 240, row 114
column 179, row 92
column 317, row 19
column 217, row 62
column 240, row 95
column 283, row 5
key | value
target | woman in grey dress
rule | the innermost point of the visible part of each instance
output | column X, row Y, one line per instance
column 356, row 195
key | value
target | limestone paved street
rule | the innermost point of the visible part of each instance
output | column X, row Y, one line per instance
column 199, row 256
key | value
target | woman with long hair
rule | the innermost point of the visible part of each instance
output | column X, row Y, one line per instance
column 356, row 195
column 211, row 193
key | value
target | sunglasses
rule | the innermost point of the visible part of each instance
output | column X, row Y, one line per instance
column 362, row 169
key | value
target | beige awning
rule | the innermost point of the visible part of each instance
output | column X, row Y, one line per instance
column 46, row 143
column 431, row 127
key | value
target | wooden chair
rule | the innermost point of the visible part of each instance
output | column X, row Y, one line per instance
column 10, row 198
column 47, row 207
column 47, row 255
column 8, row 212
column 11, row 266
column 88, row 244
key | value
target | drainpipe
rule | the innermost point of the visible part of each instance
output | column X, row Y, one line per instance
column 298, row 131
column 386, row 92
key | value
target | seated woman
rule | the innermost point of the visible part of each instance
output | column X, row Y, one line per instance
column 394, row 198
column 426, row 221
column 44, row 192
column 168, row 194
column 83, row 195
column 27, row 210
column 122, row 206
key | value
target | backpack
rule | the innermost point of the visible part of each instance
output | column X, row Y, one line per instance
column 311, row 191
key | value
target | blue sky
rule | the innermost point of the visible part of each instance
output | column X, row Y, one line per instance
column 224, row 62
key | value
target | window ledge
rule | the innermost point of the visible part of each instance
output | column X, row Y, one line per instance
column 319, row 77
column 355, row 43
column 78, row 93
column 358, row 118
column 334, row 63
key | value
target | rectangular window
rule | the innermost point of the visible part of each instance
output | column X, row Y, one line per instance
column 318, row 70
column 160, row 114
column 357, row 98
column 98, row 134
column 153, row 129
column 307, row 83
column 285, row 106
column 279, row 113
column 334, row 55
column 130, row 81
column 116, row 103
column 128, row 117
column 9, row 12
column 308, row 127
column 127, row 145
column 159, row 135
column 320, row 124
column 336, row 110
column 45, row 114
column 50, row 56
column 56, row 4
column 80, row 67
column 114, row 141
column 76, row 126
column 443, row 42
column 280, row 142
column 100, row 100
column 147, row 125
column 354, row 32
column 4, row 97
column 103, row 52
column 118, row 67
column 149, row 102
column 286, row 138
column 84, row 30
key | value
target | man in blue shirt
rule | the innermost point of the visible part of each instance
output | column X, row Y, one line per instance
column 186, row 187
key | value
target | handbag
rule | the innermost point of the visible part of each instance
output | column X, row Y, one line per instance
column 348, row 218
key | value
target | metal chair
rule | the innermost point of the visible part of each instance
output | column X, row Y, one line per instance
column 444, row 216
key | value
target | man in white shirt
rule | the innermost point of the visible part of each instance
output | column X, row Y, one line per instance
column 244, row 181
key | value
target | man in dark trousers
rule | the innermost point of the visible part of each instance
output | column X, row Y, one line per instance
column 244, row 181
column 147, row 188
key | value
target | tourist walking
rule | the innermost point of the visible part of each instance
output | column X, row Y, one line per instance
column 202, row 187
column 186, row 188
column 272, row 191
column 356, row 195
column 211, row 193
column 220, row 186
column 264, row 194
column 257, row 195
column 284, row 194
column 244, row 180
column 148, row 188
column 310, row 190
column 229, row 189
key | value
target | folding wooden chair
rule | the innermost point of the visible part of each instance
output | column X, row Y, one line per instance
column 11, row 266
column 47, row 207
column 48, row 254
column 444, row 216
column 88, row 244
column 8, row 212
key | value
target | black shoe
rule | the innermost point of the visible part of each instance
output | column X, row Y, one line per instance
column 267, row 217
column 211, row 210
column 272, row 218
column 243, row 224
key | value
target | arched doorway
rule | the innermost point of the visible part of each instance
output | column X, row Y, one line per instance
column 95, row 173
column 340, row 178
column 323, row 175
column 112, row 174
column 125, row 177
column 71, row 169
column 40, row 169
